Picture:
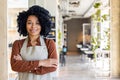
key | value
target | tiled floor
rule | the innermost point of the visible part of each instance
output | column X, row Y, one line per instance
column 77, row 69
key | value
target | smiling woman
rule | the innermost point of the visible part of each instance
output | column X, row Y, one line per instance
column 35, row 57
column 33, row 27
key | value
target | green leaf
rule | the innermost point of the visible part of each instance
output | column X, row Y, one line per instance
column 97, row 5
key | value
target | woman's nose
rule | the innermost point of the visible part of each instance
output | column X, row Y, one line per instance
column 33, row 24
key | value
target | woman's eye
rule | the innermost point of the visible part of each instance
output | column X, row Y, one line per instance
column 38, row 23
column 29, row 23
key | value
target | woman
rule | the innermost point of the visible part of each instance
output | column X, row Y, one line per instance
column 35, row 57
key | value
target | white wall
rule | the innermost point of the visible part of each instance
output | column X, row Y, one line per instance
column 51, row 5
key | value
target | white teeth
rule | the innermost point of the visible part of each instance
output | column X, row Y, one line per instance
column 33, row 30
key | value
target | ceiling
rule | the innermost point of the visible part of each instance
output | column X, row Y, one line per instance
column 78, row 8
column 83, row 8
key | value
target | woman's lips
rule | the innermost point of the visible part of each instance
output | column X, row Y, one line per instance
column 33, row 30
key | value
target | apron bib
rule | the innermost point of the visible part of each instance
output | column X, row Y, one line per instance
column 34, row 53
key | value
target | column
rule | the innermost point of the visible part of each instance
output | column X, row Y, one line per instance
column 3, row 40
column 115, row 38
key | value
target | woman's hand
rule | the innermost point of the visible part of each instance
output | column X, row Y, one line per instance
column 48, row 63
column 18, row 57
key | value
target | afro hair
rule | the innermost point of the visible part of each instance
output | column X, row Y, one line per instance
column 43, row 16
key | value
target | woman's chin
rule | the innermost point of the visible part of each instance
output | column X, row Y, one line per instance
column 34, row 34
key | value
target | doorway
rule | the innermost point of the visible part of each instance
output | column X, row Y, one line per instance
column 75, row 33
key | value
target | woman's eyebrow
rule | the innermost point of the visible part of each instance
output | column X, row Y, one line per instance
column 31, row 20
column 28, row 20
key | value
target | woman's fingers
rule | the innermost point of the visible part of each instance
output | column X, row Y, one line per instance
column 48, row 63
column 53, row 61
column 54, row 65
column 18, row 57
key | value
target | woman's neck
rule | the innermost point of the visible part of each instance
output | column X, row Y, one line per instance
column 33, row 38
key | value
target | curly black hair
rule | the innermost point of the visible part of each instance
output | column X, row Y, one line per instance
column 43, row 16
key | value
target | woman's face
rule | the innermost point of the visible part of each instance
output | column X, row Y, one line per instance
column 33, row 26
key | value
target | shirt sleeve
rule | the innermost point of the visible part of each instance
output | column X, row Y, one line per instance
column 21, row 65
column 51, row 54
